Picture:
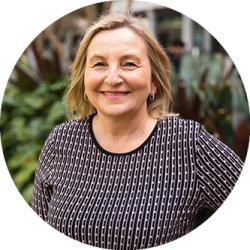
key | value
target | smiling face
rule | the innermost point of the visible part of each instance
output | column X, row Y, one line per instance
column 118, row 73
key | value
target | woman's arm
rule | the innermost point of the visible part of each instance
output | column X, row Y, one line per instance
column 218, row 169
column 42, row 189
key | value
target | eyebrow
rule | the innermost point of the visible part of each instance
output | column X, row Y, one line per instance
column 129, row 56
column 96, row 56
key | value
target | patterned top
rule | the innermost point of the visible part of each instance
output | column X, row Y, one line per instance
column 133, row 200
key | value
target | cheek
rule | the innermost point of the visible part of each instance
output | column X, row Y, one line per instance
column 92, row 81
column 139, row 81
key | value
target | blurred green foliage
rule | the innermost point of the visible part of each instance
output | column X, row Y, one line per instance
column 209, row 89
column 26, row 120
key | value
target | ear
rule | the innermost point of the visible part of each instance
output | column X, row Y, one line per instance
column 153, row 88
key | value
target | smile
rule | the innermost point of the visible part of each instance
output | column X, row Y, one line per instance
column 115, row 94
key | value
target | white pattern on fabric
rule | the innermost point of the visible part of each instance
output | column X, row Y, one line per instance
column 140, row 199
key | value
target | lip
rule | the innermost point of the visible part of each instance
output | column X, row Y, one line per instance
column 114, row 95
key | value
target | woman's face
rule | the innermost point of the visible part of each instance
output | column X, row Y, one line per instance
column 118, row 73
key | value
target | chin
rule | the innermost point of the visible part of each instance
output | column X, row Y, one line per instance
column 120, row 110
column 116, row 112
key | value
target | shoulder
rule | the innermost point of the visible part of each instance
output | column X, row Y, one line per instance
column 178, row 130
column 69, row 127
column 72, row 124
column 176, row 123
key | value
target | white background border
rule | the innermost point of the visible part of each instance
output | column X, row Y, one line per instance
column 21, row 22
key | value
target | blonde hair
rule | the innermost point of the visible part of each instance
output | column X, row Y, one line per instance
column 78, row 105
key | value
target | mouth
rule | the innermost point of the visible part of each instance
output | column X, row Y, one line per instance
column 114, row 94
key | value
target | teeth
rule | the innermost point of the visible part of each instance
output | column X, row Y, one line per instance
column 115, row 93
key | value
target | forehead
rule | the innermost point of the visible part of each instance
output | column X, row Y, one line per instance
column 121, row 38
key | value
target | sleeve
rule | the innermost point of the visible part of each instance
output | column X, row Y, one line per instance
column 218, row 169
column 42, row 190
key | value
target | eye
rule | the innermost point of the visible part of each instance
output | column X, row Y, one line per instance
column 99, row 64
column 129, row 64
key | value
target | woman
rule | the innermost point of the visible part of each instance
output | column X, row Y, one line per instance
column 126, row 174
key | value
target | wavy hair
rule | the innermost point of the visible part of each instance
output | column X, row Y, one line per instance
column 77, row 106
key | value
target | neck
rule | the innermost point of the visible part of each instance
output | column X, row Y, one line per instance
column 122, row 126
column 124, row 133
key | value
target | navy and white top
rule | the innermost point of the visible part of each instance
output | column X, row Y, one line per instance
column 133, row 200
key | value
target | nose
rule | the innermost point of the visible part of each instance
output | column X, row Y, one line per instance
column 113, row 76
